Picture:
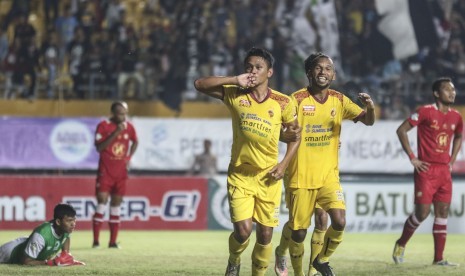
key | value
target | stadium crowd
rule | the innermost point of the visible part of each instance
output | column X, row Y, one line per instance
column 154, row 49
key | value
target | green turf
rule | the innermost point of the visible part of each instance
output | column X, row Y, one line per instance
column 205, row 253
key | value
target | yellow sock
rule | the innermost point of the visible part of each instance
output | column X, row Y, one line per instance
column 332, row 239
column 296, row 251
column 284, row 241
column 316, row 244
column 261, row 258
column 236, row 249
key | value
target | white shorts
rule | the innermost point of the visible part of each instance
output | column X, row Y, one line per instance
column 7, row 248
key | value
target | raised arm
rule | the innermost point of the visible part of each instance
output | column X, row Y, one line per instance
column 369, row 117
column 213, row 86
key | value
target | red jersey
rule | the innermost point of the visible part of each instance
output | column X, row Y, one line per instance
column 435, row 132
column 113, row 159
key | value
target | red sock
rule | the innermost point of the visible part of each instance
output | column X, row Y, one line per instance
column 114, row 228
column 97, row 225
column 439, row 235
column 411, row 224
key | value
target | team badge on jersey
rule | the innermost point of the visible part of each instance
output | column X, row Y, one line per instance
column 271, row 113
column 245, row 103
column 333, row 112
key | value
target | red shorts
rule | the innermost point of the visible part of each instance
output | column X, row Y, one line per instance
column 111, row 185
column 434, row 185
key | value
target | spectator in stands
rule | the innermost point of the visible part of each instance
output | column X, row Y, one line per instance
column 53, row 6
column 24, row 30
column 65, row 26
column 50, row 54
column 27, row 64
column 4, row 44
column 397, row 109
column 75, row 51
column 129, row 66
column 114, row 13
column 10, row 67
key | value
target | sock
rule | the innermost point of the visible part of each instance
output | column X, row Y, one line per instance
column 261, row 258
column 114, row 223
column 411, row 224
column 281, row 250
column 439, row 235
column 296, row 251
column 97, row 221
column 316, row 244
column 236, row 249
column 332, row 240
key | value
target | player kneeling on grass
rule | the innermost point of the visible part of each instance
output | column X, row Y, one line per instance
column 45, row 242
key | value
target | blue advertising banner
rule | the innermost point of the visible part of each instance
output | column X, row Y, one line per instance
column 48, row 143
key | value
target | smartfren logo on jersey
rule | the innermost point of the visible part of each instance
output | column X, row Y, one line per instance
column 71, row 141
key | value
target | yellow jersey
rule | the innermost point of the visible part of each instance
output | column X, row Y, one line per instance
column 317, row 159
column 256, row 125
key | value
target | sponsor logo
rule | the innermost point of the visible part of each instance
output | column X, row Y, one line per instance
column 308, row 108
column 175, row 206
column 18, row 209
column 71, row 141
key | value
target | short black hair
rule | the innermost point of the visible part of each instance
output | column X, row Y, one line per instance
column 61, row 210
column 260, row 52
column 118, row 103
column 310, row 61
column 438, row 82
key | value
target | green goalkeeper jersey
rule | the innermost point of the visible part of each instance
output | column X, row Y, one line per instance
column 41, row 245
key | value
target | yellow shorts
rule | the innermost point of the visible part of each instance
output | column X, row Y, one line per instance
column 302, row 203
column 253, row 194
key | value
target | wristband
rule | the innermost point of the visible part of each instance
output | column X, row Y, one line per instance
column 411, row 156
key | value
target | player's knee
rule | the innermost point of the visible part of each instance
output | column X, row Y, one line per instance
column 242, row 233
column 299, row 235
column 339, row 224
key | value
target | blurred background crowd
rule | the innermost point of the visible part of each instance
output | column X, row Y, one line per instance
column 154, row 49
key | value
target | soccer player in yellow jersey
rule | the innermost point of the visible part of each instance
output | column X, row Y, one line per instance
column 314, row 171
column 254, row 174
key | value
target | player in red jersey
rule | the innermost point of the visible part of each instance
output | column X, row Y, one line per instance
column 116, row 141
column 438, row 125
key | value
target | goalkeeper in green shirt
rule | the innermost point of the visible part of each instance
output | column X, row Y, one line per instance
column 44, row 244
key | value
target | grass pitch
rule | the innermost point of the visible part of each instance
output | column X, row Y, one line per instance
column 167, row 253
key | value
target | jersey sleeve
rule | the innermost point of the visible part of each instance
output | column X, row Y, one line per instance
column 99, row 133
column 459, row 127
column 133, row 133
column 416, row 117
column 35, row 245
column 229, row 92
column 289, row 112
column 351, row 111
